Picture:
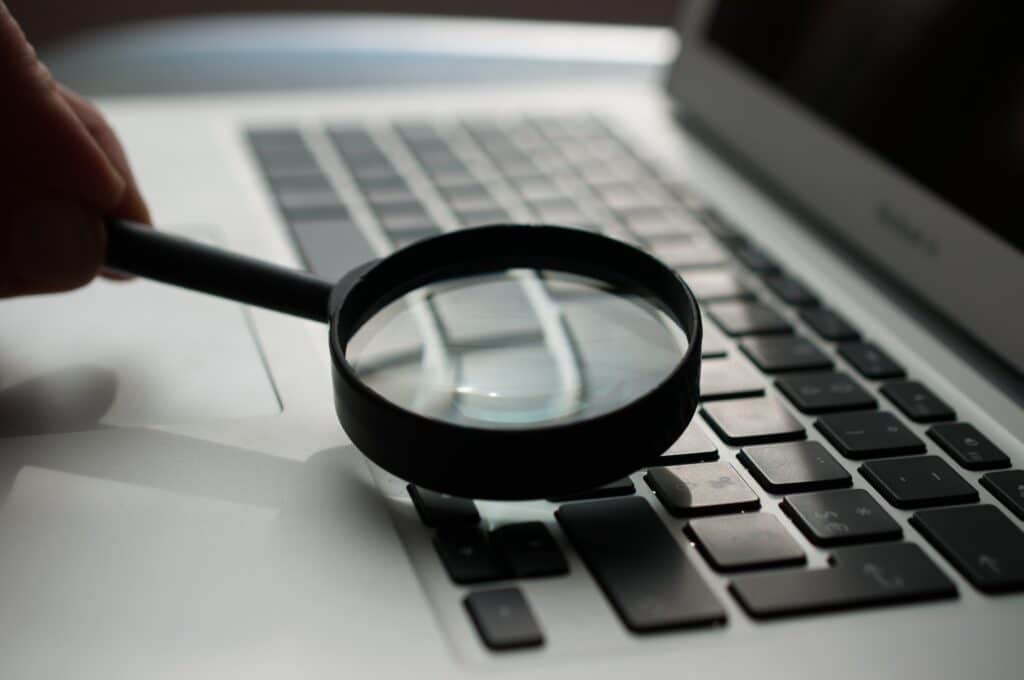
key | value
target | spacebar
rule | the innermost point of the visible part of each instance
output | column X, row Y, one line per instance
column 640, row 568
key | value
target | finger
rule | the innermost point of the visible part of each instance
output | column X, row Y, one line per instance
column 44, row 144
column 51, row 244
column 132, row 206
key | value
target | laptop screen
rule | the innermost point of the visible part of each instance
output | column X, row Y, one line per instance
column 935, row 88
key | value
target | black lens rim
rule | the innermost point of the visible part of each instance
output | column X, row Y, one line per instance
column 518, row 464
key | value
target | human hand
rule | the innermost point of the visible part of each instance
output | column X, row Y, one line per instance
column 62, row 170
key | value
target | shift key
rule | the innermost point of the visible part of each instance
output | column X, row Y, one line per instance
column 639, row 566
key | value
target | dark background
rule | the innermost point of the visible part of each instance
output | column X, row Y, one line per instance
column 47, row 21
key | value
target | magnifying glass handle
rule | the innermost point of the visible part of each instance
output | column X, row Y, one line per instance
column 136, row 249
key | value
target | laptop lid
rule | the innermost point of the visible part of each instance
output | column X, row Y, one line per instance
column 896, row 124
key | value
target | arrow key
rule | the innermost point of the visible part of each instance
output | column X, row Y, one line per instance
column 980, row 541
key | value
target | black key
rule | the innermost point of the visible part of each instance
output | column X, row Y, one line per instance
column 870, row 361
column 400, row 223
column 825, row 392
column 690, row 251
column 468, row 556
column 981, row 542
column 727, row 379
column 869, row 434
column 621, row 487
column 745, row 541
column 639, row 565
column 786, row 353
column 759, row 420
column 968, row 447
column 326, row 209
column 303, row 202
column 747, row 318
column 918, row 482
column 314, row 182
column 841, row 516
column 794, row 467
column 694, row 446
column 504, row 619
column 1008, row 487
column 755, row 259
column 715, row 344
column 528, row 549
column 719, row 225
column 478, row 218
column 828, row 324
column 442, row 510
column 791, row 291
column 917, row 401
column 859, row 577
column 331, row 247
column 701, row 489
column 713, row 285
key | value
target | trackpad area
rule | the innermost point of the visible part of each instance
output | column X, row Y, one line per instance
column 128, row 354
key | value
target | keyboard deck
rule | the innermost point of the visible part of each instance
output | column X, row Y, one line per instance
column 799, row 411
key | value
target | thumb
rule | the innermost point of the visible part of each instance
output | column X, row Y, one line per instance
column 55, row 245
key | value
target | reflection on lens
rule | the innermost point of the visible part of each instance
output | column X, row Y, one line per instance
column 520, row 348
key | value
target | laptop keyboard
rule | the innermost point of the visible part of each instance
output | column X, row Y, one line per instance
column 766, row 329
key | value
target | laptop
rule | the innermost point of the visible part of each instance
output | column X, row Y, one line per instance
column 835, row 181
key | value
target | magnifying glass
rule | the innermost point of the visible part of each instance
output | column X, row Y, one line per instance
column 506, row 362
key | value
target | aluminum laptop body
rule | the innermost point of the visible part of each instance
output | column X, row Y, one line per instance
column 178, row 499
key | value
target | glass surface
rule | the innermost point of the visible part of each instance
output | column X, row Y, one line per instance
column 935, row 87
column 516, row 349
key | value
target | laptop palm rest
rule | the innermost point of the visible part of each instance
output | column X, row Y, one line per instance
column 128, row 354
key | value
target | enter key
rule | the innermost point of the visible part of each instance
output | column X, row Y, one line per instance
column 863, row 576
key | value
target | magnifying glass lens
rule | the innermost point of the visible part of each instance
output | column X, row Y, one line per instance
column 516, row 349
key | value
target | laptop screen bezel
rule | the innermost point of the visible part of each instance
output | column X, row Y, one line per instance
column 963, row 271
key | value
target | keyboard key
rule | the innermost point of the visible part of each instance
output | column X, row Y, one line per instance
column 1008, row 487
column 728, row 378
column 756, row 260
column 917, row 402
column 468, row 556
column 504, row 619
column 657, row 223
column 869, row 434
column 441, row 510
column 825, row 392
column 841, row 516
column 870, row 361
column 694, row 446
column 918, row 482
column 479, row 218
column 747, row 318
column 639, row 566
column 745, row 541
column 786, row 353
column 828, row 324
column 690, row 251
column 981, row 542
column 968, row 447
column 527, row 549
column 723, row 229
column 859, row 577
column 701, row 489
column 759, row 420
column 621, row 487
column 712, row 285
column 794, row 467
column 791, row 291
column 331, row 247
column 714, row 344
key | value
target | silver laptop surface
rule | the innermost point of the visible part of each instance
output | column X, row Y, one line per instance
column 178, row 499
